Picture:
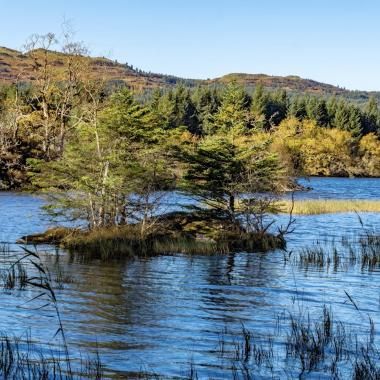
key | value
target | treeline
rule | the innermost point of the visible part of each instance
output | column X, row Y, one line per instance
column 263, row 109
column 104, row 154
column 168, row 79
column 310, row 135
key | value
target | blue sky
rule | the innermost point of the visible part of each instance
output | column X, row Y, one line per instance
column 335, row 41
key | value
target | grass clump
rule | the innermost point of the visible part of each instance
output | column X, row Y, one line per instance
column 303, row 345
column 15, row 278
column 330, row 206
column 125, row 241
column 370, row 251
column 23, row 359
column 364, row 251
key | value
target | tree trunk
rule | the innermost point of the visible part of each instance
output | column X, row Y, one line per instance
column 232, row 204
column 45, row 145
column 103, row 195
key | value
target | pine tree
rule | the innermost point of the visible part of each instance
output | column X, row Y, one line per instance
column 354, row 125
column 277, row 107
column 207, row 102
column 332, row 105
column 297, row 108
column 259, row 106
column 320, row 113
column 233, row 115
column 372, row 123
column 341, row 118
column 220, row 170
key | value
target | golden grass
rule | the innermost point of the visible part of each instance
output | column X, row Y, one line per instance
column 330, row 206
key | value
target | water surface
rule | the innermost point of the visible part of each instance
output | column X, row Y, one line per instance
column 158, row 314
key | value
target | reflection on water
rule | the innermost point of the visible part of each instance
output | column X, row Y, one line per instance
column 159, row 313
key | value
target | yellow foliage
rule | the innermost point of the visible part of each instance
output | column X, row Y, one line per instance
column 312, row 150
column 369, row 150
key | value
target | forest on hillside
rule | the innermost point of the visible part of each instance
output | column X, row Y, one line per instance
column 310, row 135
column 96, row 143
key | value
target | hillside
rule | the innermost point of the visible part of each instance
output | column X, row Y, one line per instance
column 296, row 85
column 16, row 66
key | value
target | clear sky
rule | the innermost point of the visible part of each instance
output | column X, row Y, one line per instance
column 334, row 41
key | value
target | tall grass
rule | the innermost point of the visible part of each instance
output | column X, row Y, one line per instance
column 363, row 251
column 302, row 346
column 23, row 359
column 15, row 277
column 19, row 358
column 330, row 206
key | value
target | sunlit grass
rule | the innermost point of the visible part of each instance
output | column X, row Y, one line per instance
column 330, row 206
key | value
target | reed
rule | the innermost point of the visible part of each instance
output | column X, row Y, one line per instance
column 329, row 206
column 23, row 359
column 303, row 346
column 370, row 249
column 15, row 277
column 309, row 341
column 19, row 358
column 363, row 251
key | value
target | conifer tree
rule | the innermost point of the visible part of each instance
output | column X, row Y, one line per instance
column 233, row 115
column 220, row 170
column 259, row 106
column 341, row 117
column 297, row 108
column 372, row 116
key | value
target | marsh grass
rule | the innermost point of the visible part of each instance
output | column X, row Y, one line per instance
column 23, row 359
column 329, row 206
column 312, row 343
column 317, row 256
column 363, row 251
column 370, row 250
column 303, row 345
column 15, row 277
column 116, row 248
column 20, row 358
column 245, row 354
column 119, row 242
column 61, row 278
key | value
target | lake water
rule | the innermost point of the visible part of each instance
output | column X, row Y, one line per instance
column 159, row 314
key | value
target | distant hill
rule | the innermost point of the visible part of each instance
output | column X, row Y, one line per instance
column 16, row 66
column 296, row 85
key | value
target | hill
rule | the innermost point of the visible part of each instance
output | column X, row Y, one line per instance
column 16, row 66
column 296, row 85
